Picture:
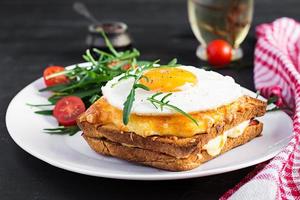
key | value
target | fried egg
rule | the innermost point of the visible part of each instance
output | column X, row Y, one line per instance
column 193, row 90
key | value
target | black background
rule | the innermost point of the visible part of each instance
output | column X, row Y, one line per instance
column 34, row 34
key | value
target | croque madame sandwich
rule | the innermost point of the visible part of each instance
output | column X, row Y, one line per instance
column 172, row 118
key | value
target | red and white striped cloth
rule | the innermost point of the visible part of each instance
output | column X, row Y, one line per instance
column 276, row 71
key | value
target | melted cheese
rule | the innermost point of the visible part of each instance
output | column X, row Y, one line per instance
column 238, row 130
column 102, row 113
column 215, row 146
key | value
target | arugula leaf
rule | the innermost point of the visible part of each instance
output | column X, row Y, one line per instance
column 44, row 112
column 141, row 86
column 173, row 62
column 62, row 130
column 103, row 53
column 94, row 98
column 128, row 106
column 109, row 44
column 39, row 105
column 257, row 94
column 54, row 88
column 163, row 103
column 272, row 99
column 273, row 109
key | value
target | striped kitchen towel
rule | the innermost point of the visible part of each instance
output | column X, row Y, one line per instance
column 277, row 72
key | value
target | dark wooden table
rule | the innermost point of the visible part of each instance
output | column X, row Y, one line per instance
column 36, row 33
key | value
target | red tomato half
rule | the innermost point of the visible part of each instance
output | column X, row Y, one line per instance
column 67, row 110
column 114, row 63
column 55, row 80
column 219, row 53
column 126, row 67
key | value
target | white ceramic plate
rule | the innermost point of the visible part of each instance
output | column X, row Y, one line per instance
column 72, row 152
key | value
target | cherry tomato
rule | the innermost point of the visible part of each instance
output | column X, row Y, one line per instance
column 55, row 80
column 253, row 122
column 126, row 67
column 114, row 63
column 67, row 110
column 219, row 53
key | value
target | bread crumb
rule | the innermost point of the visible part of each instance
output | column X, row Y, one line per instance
column 174, row 137
column 90, row 118
column 192, row 140
column 131, row 136
column 199, row 156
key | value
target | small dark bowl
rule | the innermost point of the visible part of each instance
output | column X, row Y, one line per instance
column 117, row 33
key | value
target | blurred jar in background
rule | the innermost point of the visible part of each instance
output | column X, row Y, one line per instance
column 229, row 20
column 117, row 33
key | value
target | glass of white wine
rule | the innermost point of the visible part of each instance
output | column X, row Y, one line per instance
column 229, row 20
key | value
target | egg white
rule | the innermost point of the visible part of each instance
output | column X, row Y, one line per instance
column 212, row 90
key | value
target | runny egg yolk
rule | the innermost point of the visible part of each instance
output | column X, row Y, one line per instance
column 168, row 79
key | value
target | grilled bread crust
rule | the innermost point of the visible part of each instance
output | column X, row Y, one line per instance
column 164, row 161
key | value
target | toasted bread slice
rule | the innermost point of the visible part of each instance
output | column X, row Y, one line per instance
column 162, row 160
column 178, row 147
column 101, row 113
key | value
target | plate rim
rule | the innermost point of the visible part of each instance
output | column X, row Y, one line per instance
column 152, row 177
